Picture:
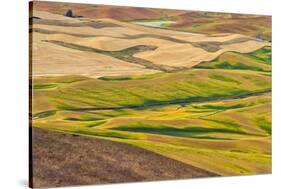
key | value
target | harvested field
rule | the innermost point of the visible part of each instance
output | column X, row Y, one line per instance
column 94, row 24
column 109, row 39
column 53, row 60
column 86, row 30
column 50, row 16
column 61, row 159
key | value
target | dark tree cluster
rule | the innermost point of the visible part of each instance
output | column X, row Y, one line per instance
column 69, row 13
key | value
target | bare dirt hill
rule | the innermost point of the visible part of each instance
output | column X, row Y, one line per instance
column 61, row 159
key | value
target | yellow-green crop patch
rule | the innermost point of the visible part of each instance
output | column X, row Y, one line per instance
column 197, row 116
column 259, row 60
column 165, row 89
column 198, row 133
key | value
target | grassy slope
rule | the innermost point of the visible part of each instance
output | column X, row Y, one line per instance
column 259, row 60
column 162, row 88
column 200, row 134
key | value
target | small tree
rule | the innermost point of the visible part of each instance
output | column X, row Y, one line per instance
column 69, row 13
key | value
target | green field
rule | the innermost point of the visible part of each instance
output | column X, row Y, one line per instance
column 154, row 23
column 217, row 112
column 259, row 60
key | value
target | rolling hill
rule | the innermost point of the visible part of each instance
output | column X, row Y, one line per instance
column 110, row 43
column 186, row 87
column 192, row 21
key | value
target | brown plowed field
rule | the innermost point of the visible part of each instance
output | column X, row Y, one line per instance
column 61, row 159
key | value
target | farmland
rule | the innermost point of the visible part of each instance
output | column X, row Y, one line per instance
column 144, row 83
column 191, row 21
column 185, row 115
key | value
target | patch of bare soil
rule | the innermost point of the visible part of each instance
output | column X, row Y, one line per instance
column 60, row 159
